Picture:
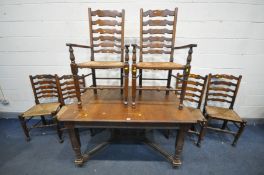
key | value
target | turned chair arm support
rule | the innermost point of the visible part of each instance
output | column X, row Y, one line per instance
column 134, row 51
column 70, row 45
column 189, row 57
column 186, row 46
column 77, row 45
column 126, row 53
column 135, row 46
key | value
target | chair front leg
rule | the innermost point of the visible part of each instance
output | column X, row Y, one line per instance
column 43, row 120
column 74, row 70
column 126, row 84
column 186, row 73
column 134, row 84
column 24, row 127
column 58, row 128
column 94, row 80
column 134, row 76
column 121, row 79
column 224, row 124
column 202, row 133
column 169, row 81
column 140, row 81
column 126, row 76
column 240, row 130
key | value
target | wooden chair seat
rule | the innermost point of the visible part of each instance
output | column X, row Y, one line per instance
column 159, row 65
column 42, row 109
column 222, row 113
column 102, row 64
column 197, row 113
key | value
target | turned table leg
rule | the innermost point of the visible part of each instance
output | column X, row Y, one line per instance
column 75, row 142
column 179, row 145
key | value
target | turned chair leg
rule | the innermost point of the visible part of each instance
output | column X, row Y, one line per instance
column 167, row 133
column 168, row 81
column 43, row 120
column 240, row 130
column 202, row 133
column 59, row 131
column 94, row 80
column 134, row 84
column 121, row 79
column 92, row 132
column 224, row 124
column 24, row 127
column 140, row 81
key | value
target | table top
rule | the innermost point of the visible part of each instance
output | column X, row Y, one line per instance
column 107, row 106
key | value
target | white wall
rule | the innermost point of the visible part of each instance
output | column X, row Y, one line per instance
column 229, row 34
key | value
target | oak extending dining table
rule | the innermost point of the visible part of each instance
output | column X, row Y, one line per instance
column 154, row 110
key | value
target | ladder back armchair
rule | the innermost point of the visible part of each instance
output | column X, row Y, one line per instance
column 106, row 37
column 157, row 36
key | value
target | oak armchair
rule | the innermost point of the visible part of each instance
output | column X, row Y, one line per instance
column 106, row 37
column 157, row 36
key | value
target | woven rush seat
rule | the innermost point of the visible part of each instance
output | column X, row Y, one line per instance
column 222, row 113
column 42, row 109
column 101, row 64
column 159, row 65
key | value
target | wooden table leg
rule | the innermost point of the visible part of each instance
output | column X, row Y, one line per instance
column 75, row 141
column 179, row 145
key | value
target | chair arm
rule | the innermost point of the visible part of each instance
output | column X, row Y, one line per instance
column 134, row 51
column 186, row 46
column 135, row 46
column 77, row 45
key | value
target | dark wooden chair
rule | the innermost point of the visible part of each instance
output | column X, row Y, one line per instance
column 68, row 93
column 67, row 88
column 157, row 36
column 193, row 97
column 219, row 102
column 106, row 37
column 45, row 87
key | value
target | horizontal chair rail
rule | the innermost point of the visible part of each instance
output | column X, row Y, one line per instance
column 157, row 89
column 178, row 78
column 221, row 130
column 107, row 78
column 154, row 79
column 102, row 88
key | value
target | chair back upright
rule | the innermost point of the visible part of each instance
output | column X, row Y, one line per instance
column 195, row 88
column 67, row 88
column 107, row 32
column 45, row 87
column 157, row 32
column 223, row 89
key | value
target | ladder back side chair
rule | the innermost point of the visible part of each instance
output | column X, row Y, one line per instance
column 157, row 36
column 223, row 89
column 106, row 37
column 67, row 87
column 194, row 94
column 45, row 87
column 67, row 92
